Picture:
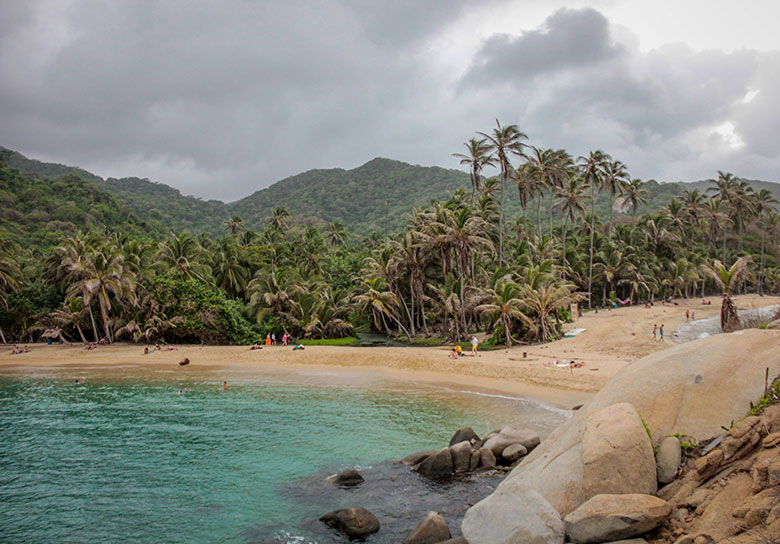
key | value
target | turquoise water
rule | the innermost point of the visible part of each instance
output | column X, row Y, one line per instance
column 123, row 457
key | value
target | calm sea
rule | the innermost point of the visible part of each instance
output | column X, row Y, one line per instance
column 125, row 458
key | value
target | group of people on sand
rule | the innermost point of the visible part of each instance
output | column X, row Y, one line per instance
column 270, row 340
column 16, row 350
column 689, row 315
column 157, row 347
column 457, row 351
column 658, row 332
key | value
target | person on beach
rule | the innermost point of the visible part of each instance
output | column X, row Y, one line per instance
column 146, row 350
column 184, row 362
column 661, row 332
column 284, row 339
column 273, row 338
column 693, row 316
column 267, row 339
column 225, row 386
column 299, row 346
column 255, row 346
column 474, row 344
column 655, row 331
column 687, row 315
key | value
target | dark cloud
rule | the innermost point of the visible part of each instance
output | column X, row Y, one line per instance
column 222, row 99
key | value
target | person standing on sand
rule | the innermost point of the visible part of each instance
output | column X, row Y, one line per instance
column 687, row 315
column 474, row 344
column 267, row 339
column 693, row 316
column 273, row 338
column 661, row 332
column 655, row 330
column 284, row 339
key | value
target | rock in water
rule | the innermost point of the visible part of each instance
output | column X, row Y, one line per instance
column 514, row 452
column 437, row 466
column 431, row 530
column 513, row 514
column 461, row 456
column 417, row 458
column 605, row 518
column 465, row 434
column 348, row 478
column 617, row 455
column 509, row 436
column 353, row 522
column 668, row 459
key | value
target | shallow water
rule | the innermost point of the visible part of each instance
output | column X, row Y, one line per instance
column 702, row 328
column 125, row 458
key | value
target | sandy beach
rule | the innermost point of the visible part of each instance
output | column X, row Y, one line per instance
column 612, row 339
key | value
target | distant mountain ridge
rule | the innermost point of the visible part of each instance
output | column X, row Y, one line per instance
column 362, row 198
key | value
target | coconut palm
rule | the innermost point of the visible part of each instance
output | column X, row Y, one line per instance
column 503, row 304
column 635, row 194
column 336, row 234
column 478, row 156
column 592, row 168
column 571, row 198
column 182, row 253
column 542, row 303
column 614, row 180
column 11, row 274
column 504, row 141
column 729, row 279
column 233, row 225
column 279, row 218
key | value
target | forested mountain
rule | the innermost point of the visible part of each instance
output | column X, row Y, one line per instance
column 360, row 199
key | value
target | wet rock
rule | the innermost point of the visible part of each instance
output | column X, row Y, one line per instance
column 668, row 459
column 605, row 518
column 617, row 454
column 509, row 436
column 418, row 457
column 461, row 456
column 514, row 452
column 437, row 466
column 514, row 513
column 486, row 458
column 353, row 522
column 431, row 530
column 348, row 478
column 466, row 434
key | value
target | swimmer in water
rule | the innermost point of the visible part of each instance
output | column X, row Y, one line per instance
column 225, row 386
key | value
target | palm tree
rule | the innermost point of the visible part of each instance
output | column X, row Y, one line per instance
column 615, row 179
column 182, row 253
column 504, row 141
column 543, row 301
column 570, row 203
column 592, row 168
column 635, row 194
column 764, row 207
column 374, row 296
column 279, row 218
column 11, row 275
column 233, row 225
column 729, row 279
column 503, row 305
column 336, row 234
column 71, row 313
column 477, row 157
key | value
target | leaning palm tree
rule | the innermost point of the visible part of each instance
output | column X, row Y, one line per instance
column 477, row 157
column 729, row 279
column 592, row 168
column 543, row 301
column 571, row 198
column 635, row 194
column 504, row 141
column 615, row 179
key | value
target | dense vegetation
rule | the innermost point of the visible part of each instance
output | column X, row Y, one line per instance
column 465, row 263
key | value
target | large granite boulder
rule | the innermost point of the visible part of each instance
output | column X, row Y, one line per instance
column 486, row 459
column 513, row 514
column 353, row 522
column 617, row 455
column 417, row 457
column 431, row 530
column 509, row 436
column 668, row 459
column 461, row 456
column 466, row 434
column 677, row 390
column 514, row 452
column 605, row 518
column 437, row 466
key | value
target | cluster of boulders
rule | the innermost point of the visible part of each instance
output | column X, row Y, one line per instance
column 499, row 450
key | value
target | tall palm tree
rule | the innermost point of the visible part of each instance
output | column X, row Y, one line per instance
column 336, row 234
column 279, row 218
column 615, row 179
column 592, row 168
column 764, row 207
column 11, row 274
column 543, row 301
column 182, row 253
column 478, row 156
column 635, row 194
column 571, row 198
column 233, row 225
column 504, row 141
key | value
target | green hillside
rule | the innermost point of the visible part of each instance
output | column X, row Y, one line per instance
column 358, row 198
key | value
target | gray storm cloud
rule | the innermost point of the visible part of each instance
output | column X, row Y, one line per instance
column 220, row 100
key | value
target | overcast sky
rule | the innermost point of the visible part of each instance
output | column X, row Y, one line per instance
column 220, row 99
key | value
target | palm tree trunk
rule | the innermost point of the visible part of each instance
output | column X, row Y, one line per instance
column 507, row 331
column 592, row 230
column 94, row 325
column 81, row 333
column 539, row 213
column 104, row 315
column 2, row 336
column 761, row 268
column 563, row 244
column 501, row 222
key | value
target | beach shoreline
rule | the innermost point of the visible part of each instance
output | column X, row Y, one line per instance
column 612, row 340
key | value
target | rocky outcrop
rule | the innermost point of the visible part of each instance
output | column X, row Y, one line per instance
column 417, row 457
column 514, row 514
column 678, row 390
column 353, row 522
column 437, row 466
column 461, row 456
column 348, row 478
column 605, row 518
column 509, row 436
column 617, row 455
column 668, row 459
column 514, row 452
column 431, row 530
column 466, row 434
